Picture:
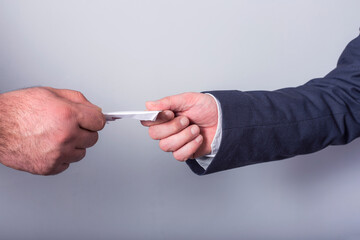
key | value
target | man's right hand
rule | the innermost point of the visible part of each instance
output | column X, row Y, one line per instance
column 190, row 132
column 43, row 130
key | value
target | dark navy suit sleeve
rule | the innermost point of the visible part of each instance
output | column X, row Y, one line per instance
column 262, row 126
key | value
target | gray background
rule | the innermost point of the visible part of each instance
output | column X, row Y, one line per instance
column 123, row 53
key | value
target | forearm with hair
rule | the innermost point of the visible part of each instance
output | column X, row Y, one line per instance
column 8, row 126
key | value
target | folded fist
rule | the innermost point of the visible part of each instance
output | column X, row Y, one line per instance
column 43, row 130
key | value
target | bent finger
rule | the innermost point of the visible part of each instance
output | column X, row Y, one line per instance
column 176, row 141
column 86, row 139
column 74, row 155
column 169, row 128
column 188, row 149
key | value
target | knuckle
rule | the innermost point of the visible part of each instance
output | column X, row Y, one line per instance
column 166, row 102
column 82, row 154
column 195, row 129
column 164, row 145
column 77, row 156
column 64, row 137
column 65, row 167
column 179, row 157
column 79, row 95
column 40, row 90
column 65, row 113
column 148, row 105
column 60, row 169
column 176, row 126
column 47, row 166
column 153, row 133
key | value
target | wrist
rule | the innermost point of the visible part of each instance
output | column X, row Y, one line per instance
column 217, row 135
column 4, row 127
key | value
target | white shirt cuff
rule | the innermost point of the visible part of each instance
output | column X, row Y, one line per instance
column 205, row 161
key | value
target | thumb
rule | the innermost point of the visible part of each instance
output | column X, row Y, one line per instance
column 175, row 103
column 90, row 118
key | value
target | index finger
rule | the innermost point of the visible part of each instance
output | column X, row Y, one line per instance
column 163, row 116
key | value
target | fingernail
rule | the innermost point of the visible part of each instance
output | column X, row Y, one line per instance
column 198, row 139
column 184, row 121
column 194, row 130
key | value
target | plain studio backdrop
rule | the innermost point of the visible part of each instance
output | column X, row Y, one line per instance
column 121, row 54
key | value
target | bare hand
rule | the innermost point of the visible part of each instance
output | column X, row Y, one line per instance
column 187, row 126
column 43, row 130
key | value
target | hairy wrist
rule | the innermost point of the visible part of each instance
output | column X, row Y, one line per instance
column 8, row 125
column 3, row 127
